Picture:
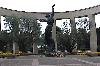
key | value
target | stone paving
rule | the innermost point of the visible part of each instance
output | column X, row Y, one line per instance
column 58, row 61
column 51, row 61
column 16, row 62
column 86, row 58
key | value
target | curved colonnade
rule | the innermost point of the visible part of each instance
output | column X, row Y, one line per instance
column 89, row 12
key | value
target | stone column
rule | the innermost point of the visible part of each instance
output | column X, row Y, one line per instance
column 73, row 25
column 35, row 49
column 73, row 32
column 15, row 47
column 93, row 35
column 54, row 34
column 0, row 22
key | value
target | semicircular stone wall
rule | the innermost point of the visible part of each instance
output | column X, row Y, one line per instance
column 58, row 15
column 89, row 12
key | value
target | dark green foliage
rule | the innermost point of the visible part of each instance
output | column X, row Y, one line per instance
column 67, row 39
column 98, row 38
column 83, row 39
column 83, row 35
column 5, row 41
column 12, row 23
column 64, row 41
column 23, row 31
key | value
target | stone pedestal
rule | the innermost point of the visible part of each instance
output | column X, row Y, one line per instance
column 93, row 35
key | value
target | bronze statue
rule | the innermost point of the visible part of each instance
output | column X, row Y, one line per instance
column 48, row 31
column 50, row 19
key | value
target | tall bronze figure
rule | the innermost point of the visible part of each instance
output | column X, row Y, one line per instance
column 48, row 31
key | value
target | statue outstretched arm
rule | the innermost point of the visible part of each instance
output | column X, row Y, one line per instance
column 52, row 14
column 43, row 20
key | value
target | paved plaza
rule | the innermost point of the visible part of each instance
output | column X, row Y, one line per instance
column 70, row 60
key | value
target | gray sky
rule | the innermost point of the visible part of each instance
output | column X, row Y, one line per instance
column 45, row 6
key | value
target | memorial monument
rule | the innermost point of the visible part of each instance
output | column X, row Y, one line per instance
column 48, row 31
column 87, row 12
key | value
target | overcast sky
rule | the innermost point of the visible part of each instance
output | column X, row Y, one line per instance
column 45, row 5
